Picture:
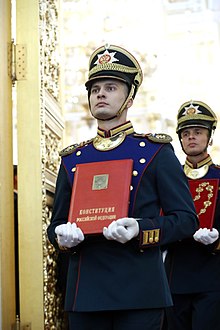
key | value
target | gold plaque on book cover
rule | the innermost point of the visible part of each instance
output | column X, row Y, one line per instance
column 100, row 182
column 100, row 194
column 205, row 193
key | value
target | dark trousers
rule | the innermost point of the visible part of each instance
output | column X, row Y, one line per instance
column 198, row 311
column 148, row 319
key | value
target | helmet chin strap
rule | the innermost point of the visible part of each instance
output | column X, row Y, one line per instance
column 122, row 108
column 211, row 137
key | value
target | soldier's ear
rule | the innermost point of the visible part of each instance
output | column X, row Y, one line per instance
column 130, row 102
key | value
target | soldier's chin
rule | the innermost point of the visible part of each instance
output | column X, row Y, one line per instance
column 194, row 152
column 102, row 115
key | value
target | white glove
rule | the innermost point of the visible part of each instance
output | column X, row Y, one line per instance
column 206, row 236
column 122, row 230
column 164, row 254
column 69, row 235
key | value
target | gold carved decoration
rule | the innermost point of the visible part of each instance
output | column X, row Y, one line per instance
column 53, row 145
column 54, row 317
column 51, row 137
column 49, row 41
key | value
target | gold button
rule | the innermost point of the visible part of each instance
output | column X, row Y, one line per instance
column 131, row 188
column 73, row 169
column 78, row 153
column 142, row 160
column 135, row 173
column 142, row 144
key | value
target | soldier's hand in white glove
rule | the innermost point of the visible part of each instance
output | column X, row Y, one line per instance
column 206, row 236
column 69, row 235
column 122, row 230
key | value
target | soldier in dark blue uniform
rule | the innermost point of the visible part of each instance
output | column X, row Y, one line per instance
column 193, row 265
column 117, row 280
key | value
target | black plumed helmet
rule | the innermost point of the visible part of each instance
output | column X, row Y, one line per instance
column 195, row 114
column 116, row 63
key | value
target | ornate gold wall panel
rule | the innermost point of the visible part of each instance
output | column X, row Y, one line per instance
column 51, row 136
column 40, row 127
column 52, row 132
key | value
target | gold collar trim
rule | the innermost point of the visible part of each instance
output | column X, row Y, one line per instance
column 207, row 161
column 127, row 128
column 196, row 173
column 201, row 168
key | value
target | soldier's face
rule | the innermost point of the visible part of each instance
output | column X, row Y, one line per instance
column 194, row 140
column 107, row 96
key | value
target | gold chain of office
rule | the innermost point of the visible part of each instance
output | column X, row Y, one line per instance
column 199, row 190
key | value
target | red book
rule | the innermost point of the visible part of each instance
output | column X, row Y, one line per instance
column 204, row 193
column 100, row 194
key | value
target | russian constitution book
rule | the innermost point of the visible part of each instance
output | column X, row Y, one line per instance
column 205, row 193
column 100, row 194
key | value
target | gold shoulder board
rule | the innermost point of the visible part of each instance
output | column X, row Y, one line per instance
column 139, row 135
column 70, row 149
column 159, row 137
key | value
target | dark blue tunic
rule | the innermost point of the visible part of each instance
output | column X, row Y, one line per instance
column 107, row 275
column 193, row 267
